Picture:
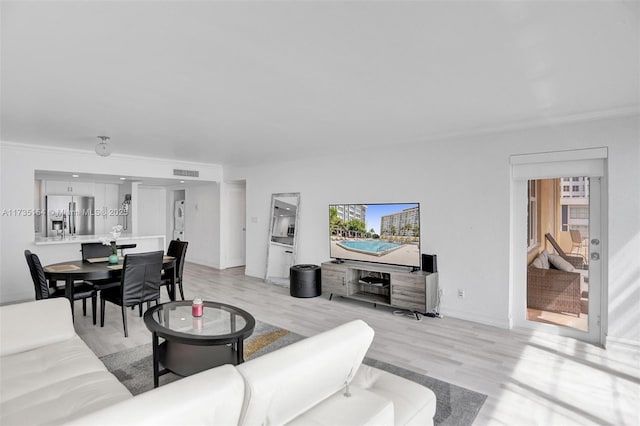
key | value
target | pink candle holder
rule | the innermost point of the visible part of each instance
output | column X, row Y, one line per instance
column 197, row 307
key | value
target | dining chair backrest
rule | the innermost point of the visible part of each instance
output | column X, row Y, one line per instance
column 576, row 237
column 141, row 277
column 37, row 275
column 93, row 250
column 178, row 249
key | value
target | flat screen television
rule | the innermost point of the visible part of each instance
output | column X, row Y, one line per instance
column 382, row 233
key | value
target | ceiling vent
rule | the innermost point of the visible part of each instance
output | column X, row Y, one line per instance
column 190, row 173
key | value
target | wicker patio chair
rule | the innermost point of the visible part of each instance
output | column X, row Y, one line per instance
column 553, row 290
column 576, row 261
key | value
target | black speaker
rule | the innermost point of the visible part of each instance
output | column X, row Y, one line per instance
column 430, row 263
column 305, row 281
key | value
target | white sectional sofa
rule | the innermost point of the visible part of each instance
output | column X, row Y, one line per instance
column 49, row 376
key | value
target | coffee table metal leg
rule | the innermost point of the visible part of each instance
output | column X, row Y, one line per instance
column 240, row 351
column 156, row 368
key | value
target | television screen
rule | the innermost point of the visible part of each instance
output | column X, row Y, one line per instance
column 382, row 233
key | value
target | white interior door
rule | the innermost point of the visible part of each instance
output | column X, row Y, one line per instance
column 535, row 167
column 237, row 226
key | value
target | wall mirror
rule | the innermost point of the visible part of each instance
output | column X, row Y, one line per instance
column 283, row 234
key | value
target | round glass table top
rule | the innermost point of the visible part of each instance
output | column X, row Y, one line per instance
column 219, row 321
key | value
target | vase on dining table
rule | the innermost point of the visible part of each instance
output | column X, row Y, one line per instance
column 113, row 259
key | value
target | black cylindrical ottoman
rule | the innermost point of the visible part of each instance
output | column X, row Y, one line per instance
column 305, row 281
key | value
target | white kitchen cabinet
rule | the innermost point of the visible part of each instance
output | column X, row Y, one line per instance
column 107, row 207
column 55, row 187
column 113, row 206
column 100, row 203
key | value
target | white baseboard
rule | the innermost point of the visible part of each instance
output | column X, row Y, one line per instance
column 628, row 342
column 254, row 274
column 205, row 263
column 475, row 317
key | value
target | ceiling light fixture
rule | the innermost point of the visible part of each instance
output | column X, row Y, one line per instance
column 123, row 178
column 75, row 175
column 102, row 148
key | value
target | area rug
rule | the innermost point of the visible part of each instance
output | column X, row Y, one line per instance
column 455, row 405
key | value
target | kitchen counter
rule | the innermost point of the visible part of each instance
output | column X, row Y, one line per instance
column 41, row 241
column 54, row 250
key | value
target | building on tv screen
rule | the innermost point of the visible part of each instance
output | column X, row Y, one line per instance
column 384, row 233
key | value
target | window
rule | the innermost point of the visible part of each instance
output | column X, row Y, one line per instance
column 532, row 222
column 575, row 179
column 565, row 188
column 576, row 188
column 579, row 212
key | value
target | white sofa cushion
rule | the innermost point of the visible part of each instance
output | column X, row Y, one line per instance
column 361, row 408
column 59, row 402
column 30, row 325
column 560, row 263
column 52, row 383
column 212, row 397
column 283, row 384
column 544, row 259
column 27, row 372
column 537, row 262
column 413, row 404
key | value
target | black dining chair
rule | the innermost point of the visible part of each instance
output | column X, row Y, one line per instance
column 140, row 282
column 94, row 250
column 177, row 249
column 98, row 250
column 81, row 291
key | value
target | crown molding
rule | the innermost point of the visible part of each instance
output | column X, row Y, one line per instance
column 621, row 112
column 92, row 154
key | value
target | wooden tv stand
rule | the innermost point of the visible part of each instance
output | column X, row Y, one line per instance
column 382, row 284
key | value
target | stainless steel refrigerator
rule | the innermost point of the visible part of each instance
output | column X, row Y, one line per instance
column 69, row 215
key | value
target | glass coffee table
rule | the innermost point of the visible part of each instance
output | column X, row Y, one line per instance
column 193, row 344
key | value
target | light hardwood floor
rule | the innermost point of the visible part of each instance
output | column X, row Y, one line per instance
column 529, row 377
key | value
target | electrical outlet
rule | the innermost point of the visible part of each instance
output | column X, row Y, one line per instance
column 460, row 293
column 441, row 291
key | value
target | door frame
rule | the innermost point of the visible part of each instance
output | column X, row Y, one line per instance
column 584, row 162
column 226, row 233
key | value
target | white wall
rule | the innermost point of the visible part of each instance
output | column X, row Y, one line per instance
column 152, row 210
column 17, row 165
column 202, row 224
column 463, row 186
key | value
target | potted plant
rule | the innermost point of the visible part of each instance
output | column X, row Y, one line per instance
column 115, row 232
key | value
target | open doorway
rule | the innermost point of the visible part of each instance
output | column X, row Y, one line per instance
column 543, row 214
column 558, row 251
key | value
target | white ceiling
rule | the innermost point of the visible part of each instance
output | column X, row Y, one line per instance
column 245, row 82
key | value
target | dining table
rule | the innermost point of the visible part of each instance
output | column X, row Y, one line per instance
column 96, row 269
